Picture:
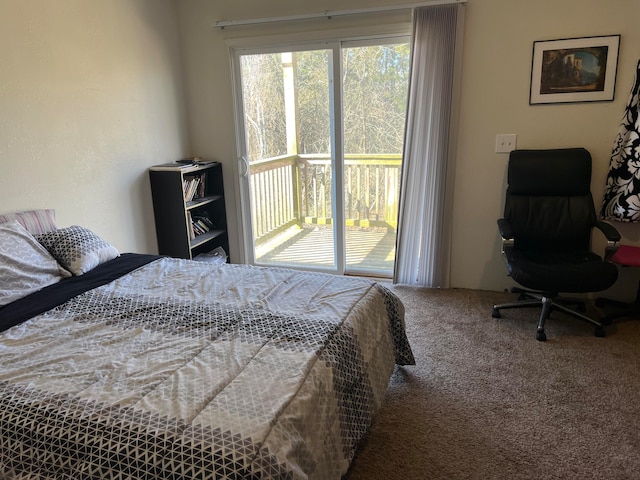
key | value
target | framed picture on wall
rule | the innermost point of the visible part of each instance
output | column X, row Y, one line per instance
column 574, row 70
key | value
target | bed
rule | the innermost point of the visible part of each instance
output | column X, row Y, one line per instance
column 136, row 366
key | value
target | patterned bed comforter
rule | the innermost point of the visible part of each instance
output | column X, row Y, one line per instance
column 188, row 370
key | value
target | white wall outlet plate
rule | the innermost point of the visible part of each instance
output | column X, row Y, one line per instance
column 505, row 142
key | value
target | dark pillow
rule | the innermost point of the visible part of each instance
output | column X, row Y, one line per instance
column 77, row 248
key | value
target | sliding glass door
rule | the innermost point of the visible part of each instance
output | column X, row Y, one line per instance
column 320, row 133
column 374, row 84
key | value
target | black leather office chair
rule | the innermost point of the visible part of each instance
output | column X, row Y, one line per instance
column 546, row 233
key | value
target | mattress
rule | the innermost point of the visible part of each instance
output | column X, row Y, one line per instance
column 159, row 368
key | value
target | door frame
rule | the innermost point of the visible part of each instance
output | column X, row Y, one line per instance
column 241, row 166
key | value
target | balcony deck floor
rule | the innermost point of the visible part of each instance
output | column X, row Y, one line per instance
column 368, row 249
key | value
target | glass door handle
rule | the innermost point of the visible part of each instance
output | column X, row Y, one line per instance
column 244, row 166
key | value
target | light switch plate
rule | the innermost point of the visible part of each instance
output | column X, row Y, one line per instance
column 505, row 142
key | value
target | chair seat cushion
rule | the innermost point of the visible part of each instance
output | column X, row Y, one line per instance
column 561, row 272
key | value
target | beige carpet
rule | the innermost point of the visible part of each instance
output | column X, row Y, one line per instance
column 488, row 401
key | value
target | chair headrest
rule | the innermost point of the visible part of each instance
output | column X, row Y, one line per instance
column 553, row 172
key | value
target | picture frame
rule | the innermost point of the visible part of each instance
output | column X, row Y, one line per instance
column 574, row 70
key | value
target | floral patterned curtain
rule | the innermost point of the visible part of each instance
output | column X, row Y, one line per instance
column 622, row 191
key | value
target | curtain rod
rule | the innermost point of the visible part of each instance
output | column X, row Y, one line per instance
column 328, row 14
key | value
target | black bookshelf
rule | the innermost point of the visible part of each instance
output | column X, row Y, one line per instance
column 189, row 209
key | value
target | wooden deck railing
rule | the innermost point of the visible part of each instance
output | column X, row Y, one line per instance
column 296, row 189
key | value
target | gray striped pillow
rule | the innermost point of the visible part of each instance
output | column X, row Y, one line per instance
column 35, row 221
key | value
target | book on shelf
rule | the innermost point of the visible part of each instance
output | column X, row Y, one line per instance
column 202, row 161
column 185, row 164
column 196, row 161
column 190, row 186
column 188, row 160
column 192, row 233
column 200, row 224
column 197, row 230
column 172, row 166
column 201, row 186
column 193, row 187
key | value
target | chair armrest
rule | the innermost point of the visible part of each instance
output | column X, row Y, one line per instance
column 612, row 235
column 506, row 232
column 504, row 227
column 609, row 231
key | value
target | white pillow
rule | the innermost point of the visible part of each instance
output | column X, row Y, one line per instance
column 25, row 265
column 77, row 248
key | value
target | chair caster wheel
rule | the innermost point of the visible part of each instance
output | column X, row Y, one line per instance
column 606, row 321
column 496, row 313
column 599, row 331
column 541, row 336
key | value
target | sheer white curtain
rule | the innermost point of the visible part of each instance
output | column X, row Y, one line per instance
column 423, row 227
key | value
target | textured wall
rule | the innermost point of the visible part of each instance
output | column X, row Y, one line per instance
column 90, row 96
